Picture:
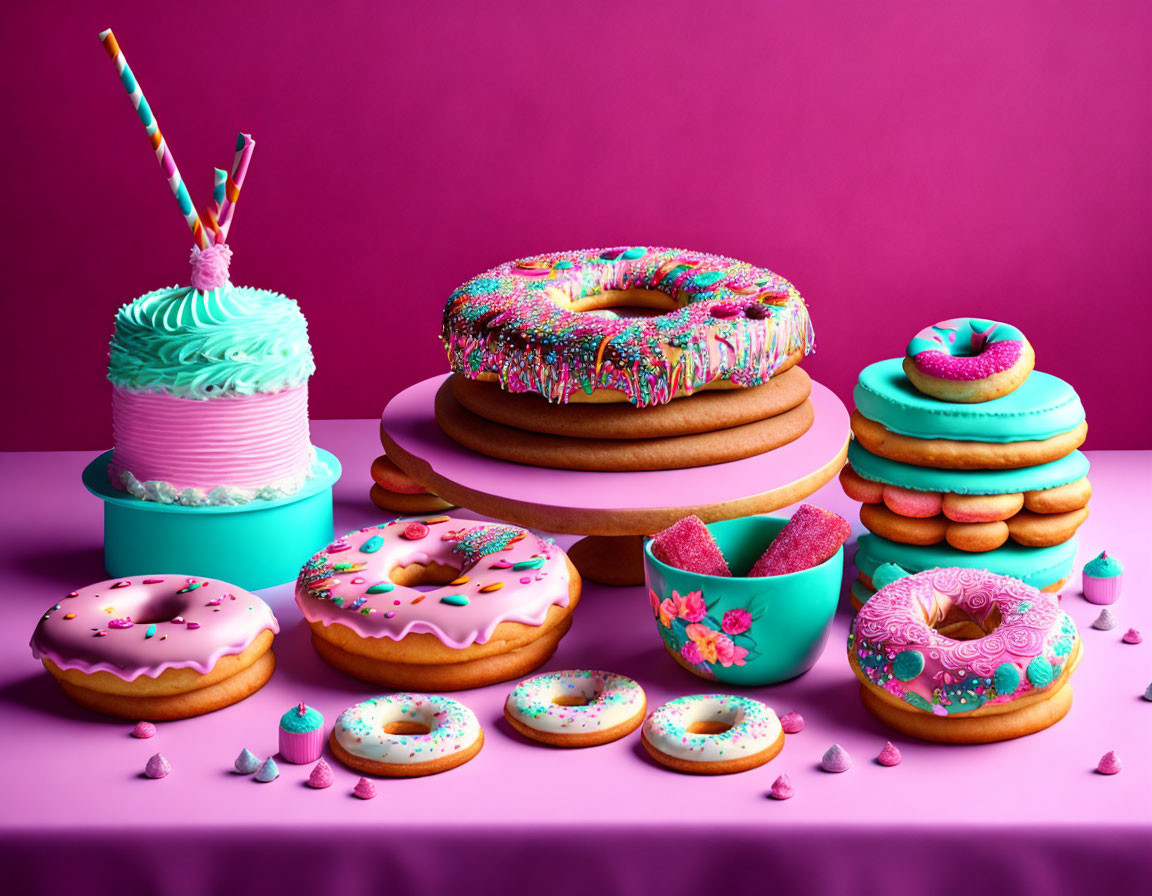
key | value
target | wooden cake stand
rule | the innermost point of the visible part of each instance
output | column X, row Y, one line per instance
column 614, row 510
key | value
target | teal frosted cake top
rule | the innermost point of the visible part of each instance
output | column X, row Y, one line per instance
column 192, row 343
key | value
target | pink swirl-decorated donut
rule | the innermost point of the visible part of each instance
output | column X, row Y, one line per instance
column 157, row 646
column 963, row 654
column 968, row 360
column 506, row 600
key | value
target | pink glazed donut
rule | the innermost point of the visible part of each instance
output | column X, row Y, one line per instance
column 505, row 601
column 964, row 656
column 157, row 647
column 968, row 360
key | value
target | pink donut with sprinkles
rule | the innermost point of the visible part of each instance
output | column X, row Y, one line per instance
column 968, row 359
column 964, row 655
column 640, row 324
column 502, row 599
column 157, row 647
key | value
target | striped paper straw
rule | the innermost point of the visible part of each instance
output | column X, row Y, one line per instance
column 244, row 146
column 213, row 211
column 163, row 153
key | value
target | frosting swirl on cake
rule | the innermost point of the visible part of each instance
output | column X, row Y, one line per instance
column 234, row 340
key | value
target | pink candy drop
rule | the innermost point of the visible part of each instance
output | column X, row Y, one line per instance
column 157, row 767
column 1109, row 764
column 364, row 789
column 782, row 789
column 144, row 729
column 321, row 775
column 890, row 755
column 792, row 722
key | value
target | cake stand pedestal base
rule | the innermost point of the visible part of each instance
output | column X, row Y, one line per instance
column 615, row 510
column 254, row 545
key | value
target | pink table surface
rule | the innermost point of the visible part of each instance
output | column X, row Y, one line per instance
column 1024, row 815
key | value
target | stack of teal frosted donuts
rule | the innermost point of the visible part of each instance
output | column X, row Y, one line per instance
column 994, row 484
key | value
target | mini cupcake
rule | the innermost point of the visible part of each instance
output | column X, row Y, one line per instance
column 1102, row 578
column 301, row 734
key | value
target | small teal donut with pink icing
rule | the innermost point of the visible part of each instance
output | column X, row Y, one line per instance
column 953, row 643
column 967, row 359
column 576, row 707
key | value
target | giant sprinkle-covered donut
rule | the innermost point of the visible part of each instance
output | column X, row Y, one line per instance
column 543, row 325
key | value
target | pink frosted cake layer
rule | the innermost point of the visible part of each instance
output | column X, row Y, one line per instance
column 249, row 442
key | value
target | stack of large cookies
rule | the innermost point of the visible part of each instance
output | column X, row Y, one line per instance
column 994, row 484
column 711, row 426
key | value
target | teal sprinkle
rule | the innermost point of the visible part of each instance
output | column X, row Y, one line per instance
column 908, row 664
column 709, row 278
column 1040, row 672
column 191, row 587
column 339, row 601
column 1006, row 679
column 634, row 252
column 151, row 630
column 372, row 545
column 918, row 701
column 1023, row 607
column 380, row 588
column 534, row 563
column 454, row 600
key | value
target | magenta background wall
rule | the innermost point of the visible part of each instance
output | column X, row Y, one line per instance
column 901, row 162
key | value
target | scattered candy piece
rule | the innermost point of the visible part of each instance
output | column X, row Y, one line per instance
column 364, row 789
column 157, row 767
column 144, row 729
column 688, row 545
column 782, row 789
column 268, row 771
column 321, row 776
column 836, row 759
column 1148, row 693
column 1132, row 636
column 415, row 531
column 1105, row 622
column 1109, row 764
column 886, row 574
column 890, row 755
column 247, row 762
column 792, row 722
column 808, row 539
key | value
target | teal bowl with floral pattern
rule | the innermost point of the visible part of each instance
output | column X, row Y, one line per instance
column 742, row 630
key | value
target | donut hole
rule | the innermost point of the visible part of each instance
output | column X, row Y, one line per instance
column 955, row 622
column 423, row 576
column 571, row 700
column 163, row 608
column 709, row 727
column 621, row 302
column 407, row 727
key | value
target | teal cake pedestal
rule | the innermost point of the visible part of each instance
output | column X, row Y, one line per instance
column 255, row 545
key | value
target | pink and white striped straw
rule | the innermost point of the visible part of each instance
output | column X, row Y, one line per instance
column 244, row 146
column 163, row 152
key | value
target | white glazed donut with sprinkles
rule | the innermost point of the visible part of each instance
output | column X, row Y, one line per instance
column 576, row 707
column 713, row 734
column 406, row 735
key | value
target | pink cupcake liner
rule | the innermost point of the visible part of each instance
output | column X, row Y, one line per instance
column 301, row 747
column 1102, row 591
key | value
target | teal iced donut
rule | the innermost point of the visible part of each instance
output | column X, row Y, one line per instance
column 967, row 359
column 1043, row 407
column 1041, row 568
